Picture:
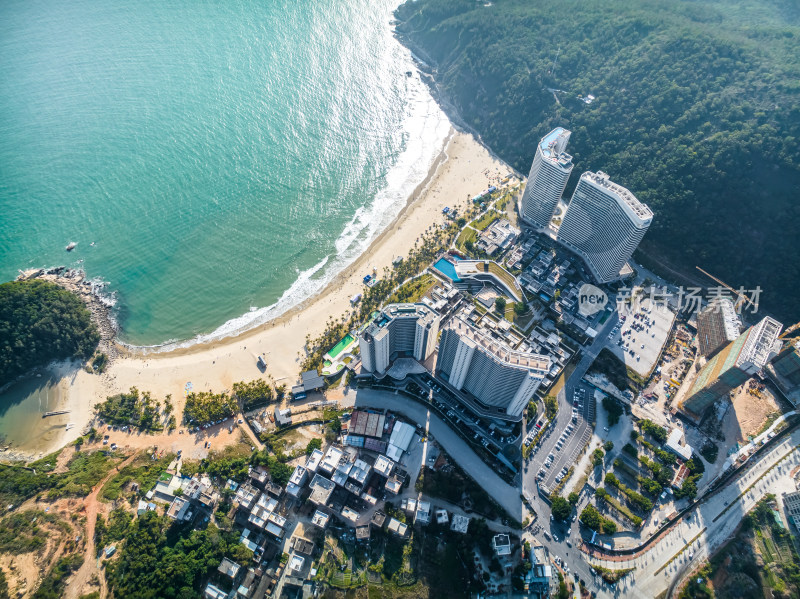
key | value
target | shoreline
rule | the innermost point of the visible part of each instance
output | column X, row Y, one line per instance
column 165, row 349
column 463, row 168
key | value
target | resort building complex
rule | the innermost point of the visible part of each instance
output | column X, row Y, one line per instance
column 734, row 364
column 547, row 180
column 502, row 380
column 399, row 330
column 604, row 224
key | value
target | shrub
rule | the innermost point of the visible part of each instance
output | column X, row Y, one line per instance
column 205, row 407
column 613, row 408
column 312, row 445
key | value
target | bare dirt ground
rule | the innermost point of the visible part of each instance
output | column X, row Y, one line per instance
column 191, row 444
column 24, row 572
column 86, row 573
column 750, row 412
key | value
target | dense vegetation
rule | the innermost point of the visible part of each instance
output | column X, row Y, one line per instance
column 591, row 518
column 654, row 430
column 454, row 486
column 84, row 470
column 41, row 322
column 157, row 561
column 696, row 112
column 254, row 394
column 119, row 522
column 760, row 561
column 205, row 407
column 136, row 410
column 560, row 508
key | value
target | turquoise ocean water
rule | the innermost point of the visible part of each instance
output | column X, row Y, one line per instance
column 227, row 159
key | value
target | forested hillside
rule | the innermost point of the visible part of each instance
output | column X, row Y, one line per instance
column 41, row 322
column 697, row 111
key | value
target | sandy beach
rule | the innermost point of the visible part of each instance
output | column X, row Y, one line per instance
column 464, row 169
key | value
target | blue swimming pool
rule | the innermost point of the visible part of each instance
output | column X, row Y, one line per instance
column 447, row 268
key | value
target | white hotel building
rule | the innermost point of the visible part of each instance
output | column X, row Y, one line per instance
column 400, row 330
column 548, row 177
column 501, row 380
column 604, row 224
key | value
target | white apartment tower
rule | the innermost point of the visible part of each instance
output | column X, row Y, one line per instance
column 399, row 330
column 548, row 177
column 604, row 224
column 501, row 379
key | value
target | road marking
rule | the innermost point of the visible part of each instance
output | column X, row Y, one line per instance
column 685, row 547
column 753, row 484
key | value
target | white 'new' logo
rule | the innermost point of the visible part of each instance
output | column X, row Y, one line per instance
column 591, row 300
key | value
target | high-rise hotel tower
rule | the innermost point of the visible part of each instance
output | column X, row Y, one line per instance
column 400, row 330
column 604, row 224
column 501, row 379
column 548, row 177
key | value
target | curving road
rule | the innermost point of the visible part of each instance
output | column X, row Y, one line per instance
column 506, row 495
column 703, row 530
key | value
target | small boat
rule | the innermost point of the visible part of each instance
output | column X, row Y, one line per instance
column 70, row 246
column 92, row 244
column 70, row 425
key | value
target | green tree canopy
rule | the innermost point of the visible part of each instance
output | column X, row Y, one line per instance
column 560, row 508
column 590, row 517
column 696, row 110
column 41, row 322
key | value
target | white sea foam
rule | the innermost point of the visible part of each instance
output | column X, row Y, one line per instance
column 423, row 135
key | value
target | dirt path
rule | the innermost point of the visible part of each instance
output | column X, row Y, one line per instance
column 89, row 567
column 251, row 435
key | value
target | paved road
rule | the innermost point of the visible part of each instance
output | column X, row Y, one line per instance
column 565, row 532
column 564, row 417
column 714, row 520
column 506, row 495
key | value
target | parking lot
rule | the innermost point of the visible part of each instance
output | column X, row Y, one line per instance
column 475, row 429
column 557, row 452
column 640, row 334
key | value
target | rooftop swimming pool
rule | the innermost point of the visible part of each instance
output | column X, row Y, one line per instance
column 337, row 349
column 447, row 268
